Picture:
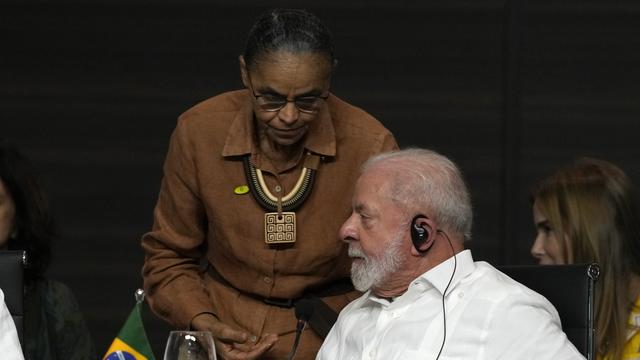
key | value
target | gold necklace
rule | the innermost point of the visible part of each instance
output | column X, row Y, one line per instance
column 280, row 221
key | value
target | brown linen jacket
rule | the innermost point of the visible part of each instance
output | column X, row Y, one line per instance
column 200, row 219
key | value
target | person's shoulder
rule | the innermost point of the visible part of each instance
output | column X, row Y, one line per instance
column 55, row 294
column 60, row 304
column 497, row 279
column 520, row 320
column 62, row 314
column 358, row 134
column 211, row 117
column 352, row 120
column 215, row 107
column 224, row 102
column 500, row 286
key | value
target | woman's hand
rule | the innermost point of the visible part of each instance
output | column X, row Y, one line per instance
column 233, row 344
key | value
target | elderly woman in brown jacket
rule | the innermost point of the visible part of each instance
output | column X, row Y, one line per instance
column 256, row 185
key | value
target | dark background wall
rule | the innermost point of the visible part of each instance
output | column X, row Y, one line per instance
column 91, row 90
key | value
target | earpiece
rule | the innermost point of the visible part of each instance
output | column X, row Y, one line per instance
column 419, row 234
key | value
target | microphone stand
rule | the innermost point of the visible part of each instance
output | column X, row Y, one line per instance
column 304, row 310
column 300, row 325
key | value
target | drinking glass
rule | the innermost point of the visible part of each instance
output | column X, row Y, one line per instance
column 190, row 345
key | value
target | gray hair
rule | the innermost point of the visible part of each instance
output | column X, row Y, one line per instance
column 422, row 179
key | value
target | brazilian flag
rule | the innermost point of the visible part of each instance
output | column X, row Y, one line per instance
column 132, row 342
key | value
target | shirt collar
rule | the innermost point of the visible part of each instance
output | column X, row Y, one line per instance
column 440, row 275
column 438, row 278
column 321, row 138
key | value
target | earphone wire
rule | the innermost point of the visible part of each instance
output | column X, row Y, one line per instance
column 444, row 313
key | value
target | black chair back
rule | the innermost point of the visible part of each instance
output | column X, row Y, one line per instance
column 571, row 289
column 12, row 285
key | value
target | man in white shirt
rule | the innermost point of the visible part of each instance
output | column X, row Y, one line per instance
column 9, row 343
column 411, row 214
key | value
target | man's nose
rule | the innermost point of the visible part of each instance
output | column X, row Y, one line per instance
column 348, row 232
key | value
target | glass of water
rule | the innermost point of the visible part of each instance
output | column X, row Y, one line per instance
column 190, row 345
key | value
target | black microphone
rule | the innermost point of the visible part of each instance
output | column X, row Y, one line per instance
column 304, row 310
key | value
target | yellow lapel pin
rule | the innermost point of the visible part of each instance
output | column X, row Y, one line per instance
column 241, row 190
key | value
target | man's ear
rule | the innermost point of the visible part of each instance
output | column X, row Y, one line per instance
column 243, row 71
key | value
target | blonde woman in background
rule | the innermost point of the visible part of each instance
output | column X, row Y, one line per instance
column 588, row 212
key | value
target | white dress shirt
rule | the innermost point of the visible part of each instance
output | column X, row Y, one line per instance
column 9, row 343
column 489, row 316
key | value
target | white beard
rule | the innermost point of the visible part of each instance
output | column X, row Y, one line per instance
column 368, row 272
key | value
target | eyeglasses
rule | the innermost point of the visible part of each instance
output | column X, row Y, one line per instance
column 305, row 104
column 273, row 102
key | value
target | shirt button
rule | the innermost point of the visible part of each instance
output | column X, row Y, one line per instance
column 268, row 280
column 461, row 295
column 372, row 353
column 278, row 188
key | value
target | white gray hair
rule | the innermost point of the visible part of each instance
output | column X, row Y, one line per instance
column 423, row 180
